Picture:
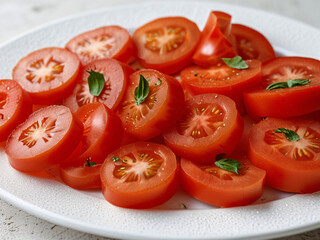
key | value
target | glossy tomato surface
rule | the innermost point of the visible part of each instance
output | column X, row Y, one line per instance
column 139, row 175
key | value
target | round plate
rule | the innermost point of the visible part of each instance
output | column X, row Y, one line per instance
column 275, row 214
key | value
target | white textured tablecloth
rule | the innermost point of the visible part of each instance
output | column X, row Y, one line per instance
column 17, row 16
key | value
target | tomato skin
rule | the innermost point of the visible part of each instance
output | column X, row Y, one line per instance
column 213, row 44
column 174, row 58
column 224, row 22
column 15, row 106
column 283, row 172
column 146, row 193
column 50, row 152
column 227, row 190
column 287, row 102
column 63, row 80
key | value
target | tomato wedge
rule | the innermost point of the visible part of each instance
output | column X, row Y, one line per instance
column 166, row 44
column 286, row 102
column 46, row 138
column 210, row 126
column 15, row 106
column 213, row 44
column 161, row 109
column 116, row 75
column 224, row 22
column 219, row 187
column 250, row 44
column 104, row 42
column 291, row 166
column 48, row 74
column 139, row 175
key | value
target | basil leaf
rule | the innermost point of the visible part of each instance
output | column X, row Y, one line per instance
column 89, row 163
column 96, row 82
column 290, row 135
column 142, row 91
column 228, row 164
column 297, row 82
column 159, row 82
column 115, row 159
column 277, row 85
column 236, row 62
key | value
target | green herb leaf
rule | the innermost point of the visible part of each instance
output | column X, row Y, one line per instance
column 237, row 62
column 290, row 135
column 277, row 85
column 228, row 164
column 89, row 163
column 96, row 82
column 115, row 159
column 142, row 91
column 159, row 82
column 297, row 82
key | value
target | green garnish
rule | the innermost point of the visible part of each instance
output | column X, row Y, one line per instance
column 228, row 164
column 96, row 82
column 237, row 62
column 182, row 205
column 290, row 135
column 159, row 82
column 288, row 84
column 142, row 91
column 89, row 163
column 115, row 159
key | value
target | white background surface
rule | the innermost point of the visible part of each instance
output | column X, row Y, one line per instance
column 17, row 16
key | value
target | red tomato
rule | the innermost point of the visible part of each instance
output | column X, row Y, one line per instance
column 291, row 166
column 161, row 109
column 210, row 126
column 213, row 44
column 251, row 44
column 139, row 175
column 286, row 102
column 116, row 75
column 102, row 132
column 224, row 22
column 222, row 188
column 222, row 79
column 48, row 74
column 46, row 138
column 15, row 107
column 166, row 44
column 104, row 42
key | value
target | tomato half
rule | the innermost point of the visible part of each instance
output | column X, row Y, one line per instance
column 104, row 42
column 116, row 75
column 161, row 109
column 209, row 126
column 213, row 44
column 46, row 138
column 166, row 44
column 48, row 74
column 250, row 44
column 287, row 102
column 291, row 166
column 139, row 175
column 15, row 106
column 222, row 188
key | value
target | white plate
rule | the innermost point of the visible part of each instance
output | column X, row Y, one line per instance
column 275, row 214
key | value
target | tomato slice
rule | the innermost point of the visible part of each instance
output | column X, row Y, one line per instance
column 116, row 76
column 250, row 44
column 291, row 166
column 224, row 22
column 104, row 42
column 210, row 126
column 48, row 74
column 222, row 188
column 286, row 102
column 222, row 79
column 15, row 106
column 161, row 109
column 139, row 175
column 46, row 138
column 166, row 44
column 213, row 44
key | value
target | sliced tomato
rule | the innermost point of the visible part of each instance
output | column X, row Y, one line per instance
column 15, row 106
column 291, row 166
column 166, row 44
column 224, row 22
column 222, row 188
column 250, row 44
column 222, row 79
column 104, row 42
column 116, row 75
column 161, row 109
column 46, row 138
column 139, row 175
column 48, row 74
column 287, row 102
column 210, row 126
column 213, row 44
